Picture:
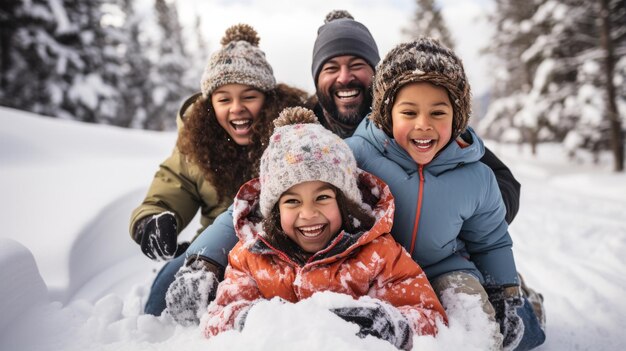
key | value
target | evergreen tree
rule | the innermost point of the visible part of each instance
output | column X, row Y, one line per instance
column 428, row 22
column 93, row 94
column 60, row 60
column 198, row 57
column 34, row 55
column 608, row 39
column 75, row 59
column 9, row 24
column 138, row 87
column 169, row 70
column 547, row 90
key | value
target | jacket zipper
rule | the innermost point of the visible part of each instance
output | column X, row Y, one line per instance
column 419, row 208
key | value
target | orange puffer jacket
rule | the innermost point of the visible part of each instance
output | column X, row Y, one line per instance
column 369, row 263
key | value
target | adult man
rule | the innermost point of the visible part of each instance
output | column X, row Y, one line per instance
column 344, row 58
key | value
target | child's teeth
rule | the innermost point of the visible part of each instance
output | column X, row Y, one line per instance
column 422, row 143
column 312, row 230
column 240, row 123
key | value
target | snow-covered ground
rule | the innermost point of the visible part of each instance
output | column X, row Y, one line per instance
column 72, row 279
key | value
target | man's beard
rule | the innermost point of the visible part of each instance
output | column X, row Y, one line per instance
column 354, row 113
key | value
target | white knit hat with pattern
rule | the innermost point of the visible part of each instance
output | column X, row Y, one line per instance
column 239, row 61
column 301, row 150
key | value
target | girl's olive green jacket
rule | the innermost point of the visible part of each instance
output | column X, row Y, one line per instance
column 181, row 188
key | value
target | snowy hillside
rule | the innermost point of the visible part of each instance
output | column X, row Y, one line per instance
column 73, row 279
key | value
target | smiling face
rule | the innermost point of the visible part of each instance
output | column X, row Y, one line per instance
column 422, row 120
column 237, row 107
column 343, row 88
column 309, row 214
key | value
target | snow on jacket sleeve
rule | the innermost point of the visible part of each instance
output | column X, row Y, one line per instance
column 401, row 282
column 487, row 238
column 235, row 295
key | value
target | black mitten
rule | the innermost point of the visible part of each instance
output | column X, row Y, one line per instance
column 194, row 286
column 381, row 321
column 506, row 302
column 157, row 235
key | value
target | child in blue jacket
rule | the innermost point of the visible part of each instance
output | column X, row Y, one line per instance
column 449, row 212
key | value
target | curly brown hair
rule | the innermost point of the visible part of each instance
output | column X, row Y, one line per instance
column 224, row 163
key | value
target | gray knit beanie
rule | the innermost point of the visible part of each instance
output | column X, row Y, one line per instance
column 421, row 60
column 302, row 150
column 238, row 61
column 342, row 35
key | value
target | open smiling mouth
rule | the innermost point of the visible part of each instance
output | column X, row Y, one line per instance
column 423, row 144
column 312, row 231
column 241, row 125
column 347, row 94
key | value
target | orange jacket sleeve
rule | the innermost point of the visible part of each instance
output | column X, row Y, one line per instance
column 235, row 295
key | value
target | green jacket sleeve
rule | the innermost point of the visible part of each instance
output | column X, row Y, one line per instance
column 179, row 187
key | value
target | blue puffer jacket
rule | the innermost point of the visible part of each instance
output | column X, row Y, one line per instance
column 449, row 213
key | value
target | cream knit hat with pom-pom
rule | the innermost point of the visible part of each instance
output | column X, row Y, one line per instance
column 239, row 61
column 301, row 150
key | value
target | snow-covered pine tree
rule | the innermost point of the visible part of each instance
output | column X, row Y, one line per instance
column 428, row 21
column 558, row 92
column 111, row 39
column 59, row 60
column 35, row 55
column 169, row 70
column 511, row 77
column 198, row 57
column 93, row 91
column 613, row 15
column 138, row 86
column 9, row 24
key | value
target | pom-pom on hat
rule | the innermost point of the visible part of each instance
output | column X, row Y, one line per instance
column 342, row 35
column 301, row 150
column 421, row 60
column 238, row 61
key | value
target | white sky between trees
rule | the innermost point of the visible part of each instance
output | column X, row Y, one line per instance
column 288, row 29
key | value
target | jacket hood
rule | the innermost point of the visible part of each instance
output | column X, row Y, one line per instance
column 180, row 117
column 450, row 157
column 377, row 197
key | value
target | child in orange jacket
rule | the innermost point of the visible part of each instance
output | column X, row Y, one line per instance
column 314, row 222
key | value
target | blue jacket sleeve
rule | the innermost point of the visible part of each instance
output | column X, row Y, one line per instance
column 487, row 238
column 216, row 241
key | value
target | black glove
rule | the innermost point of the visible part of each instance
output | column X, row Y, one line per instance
column 157, row 235
column 194, row 286
column 506, row 302
column 381, row 321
